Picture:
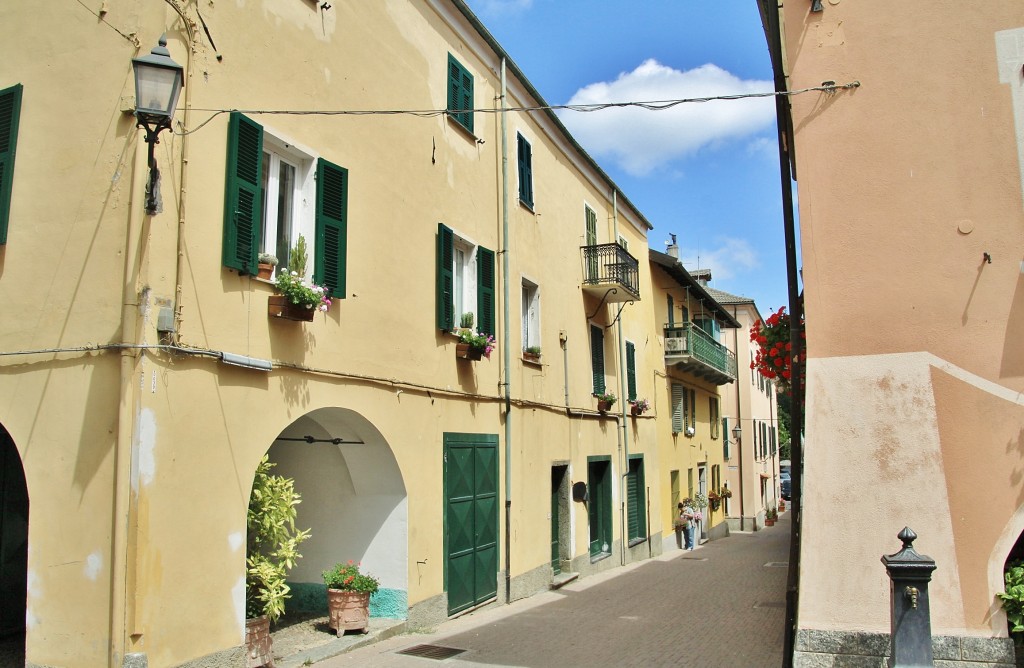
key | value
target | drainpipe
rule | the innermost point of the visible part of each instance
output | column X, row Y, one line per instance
column 621, row 427
column 505, row 337
column 739, row 422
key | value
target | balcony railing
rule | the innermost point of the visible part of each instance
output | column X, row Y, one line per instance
column 691, row 349
column 610, row 272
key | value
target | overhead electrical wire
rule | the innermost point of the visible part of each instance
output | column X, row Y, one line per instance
column 653, row 105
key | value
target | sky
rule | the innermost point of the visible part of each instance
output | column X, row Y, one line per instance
column 706, row 172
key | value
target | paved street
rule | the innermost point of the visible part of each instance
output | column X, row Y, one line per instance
column 720, row 605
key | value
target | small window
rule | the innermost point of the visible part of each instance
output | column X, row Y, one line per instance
column 465, row 282
column 631, row 370
column 525, row 170
column 460, row 94
column 531, row 315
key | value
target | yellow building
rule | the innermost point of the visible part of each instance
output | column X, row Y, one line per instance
column 693, row 446
column 144, row 371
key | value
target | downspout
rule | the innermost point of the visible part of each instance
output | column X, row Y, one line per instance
column 739, row 423
column 774, row 34
column 505, row 336
column 623, row 440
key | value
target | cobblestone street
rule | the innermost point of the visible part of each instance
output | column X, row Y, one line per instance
column 720, row 605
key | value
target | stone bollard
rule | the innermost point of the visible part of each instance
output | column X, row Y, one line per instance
column 909, row 614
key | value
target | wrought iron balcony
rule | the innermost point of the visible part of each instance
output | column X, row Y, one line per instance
column 611, row 273
column 691, row 349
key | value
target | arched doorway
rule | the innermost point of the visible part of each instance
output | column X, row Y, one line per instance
column 354, row 502
column 13, row 551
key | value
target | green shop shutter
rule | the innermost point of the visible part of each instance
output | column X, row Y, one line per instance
column 485, row 290
column 445, row 278
column 243, row 201
column 631, row 370
column 597, row 357
column 331, row 227
column 10, row 113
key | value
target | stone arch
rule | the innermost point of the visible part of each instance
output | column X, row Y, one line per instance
column 354, row 500
column 13, row 547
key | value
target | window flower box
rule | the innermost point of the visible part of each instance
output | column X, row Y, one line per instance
column 279, row 306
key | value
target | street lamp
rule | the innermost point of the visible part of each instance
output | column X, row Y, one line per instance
column 737, row 432
column 158, row 82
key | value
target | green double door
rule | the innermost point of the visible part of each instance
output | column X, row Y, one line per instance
column 471, row 519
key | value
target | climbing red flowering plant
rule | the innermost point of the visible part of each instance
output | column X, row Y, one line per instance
column 773, row 356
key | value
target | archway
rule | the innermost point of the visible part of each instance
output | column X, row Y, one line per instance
column 13, row 550
column 354, row 501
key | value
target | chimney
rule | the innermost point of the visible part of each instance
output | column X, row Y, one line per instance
column 673, row 248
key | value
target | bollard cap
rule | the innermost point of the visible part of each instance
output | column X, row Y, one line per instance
column 907, row 563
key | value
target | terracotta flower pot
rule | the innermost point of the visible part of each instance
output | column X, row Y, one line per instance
column 635, row 411
column 265, row 271
column 467, row 352
column 348, row 610
column 278, row 306
column 258, row 643
column 604, row 406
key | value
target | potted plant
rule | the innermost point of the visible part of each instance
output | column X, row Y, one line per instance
column 299, row 299
column 770, row 516
column 271, row 551
column 714, row 500
column 348, row 597
column 725, row 493
column 639, row 407
column 605, row 401
column 532, row 353
column 473, row 345
column 467, row 320
column 267, row 262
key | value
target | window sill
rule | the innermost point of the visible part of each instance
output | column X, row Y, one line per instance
column 526, row 205
column 600, row 556
column 533, row 361
column 463, row 129
column 636, row 541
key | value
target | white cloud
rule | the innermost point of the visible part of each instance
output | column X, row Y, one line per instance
column 727, row 258
column 641, row 140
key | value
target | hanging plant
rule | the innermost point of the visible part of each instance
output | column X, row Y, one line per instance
column 773, row 356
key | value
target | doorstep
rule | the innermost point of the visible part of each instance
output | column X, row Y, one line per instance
column 563, row 579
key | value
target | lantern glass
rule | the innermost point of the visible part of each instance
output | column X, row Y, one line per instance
column 156, row 89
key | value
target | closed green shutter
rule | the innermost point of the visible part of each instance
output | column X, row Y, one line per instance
column 485, row 290
column 678, row 401
column 10, row 113
column 693, row 408
column 525, row 170
column 725, row 439
column 331, row 227
column 671, row 311
column 636, row 513
column 631, row 370
column 243, row 204
column 460, row 93
column 597, row 357
column 445, row 278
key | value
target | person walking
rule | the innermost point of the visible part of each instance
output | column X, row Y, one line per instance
column 685, row 521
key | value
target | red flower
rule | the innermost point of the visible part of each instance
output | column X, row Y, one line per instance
column 778, row 361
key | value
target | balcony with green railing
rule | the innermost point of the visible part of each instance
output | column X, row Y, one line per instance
column 610, row 273
column 689, row 348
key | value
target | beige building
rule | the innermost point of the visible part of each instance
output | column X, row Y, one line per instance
column 751, row 403
column 911, row 206
column 144, row 372
column 693, row 439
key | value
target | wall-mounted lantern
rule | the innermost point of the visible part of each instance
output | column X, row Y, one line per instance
column 158, row 81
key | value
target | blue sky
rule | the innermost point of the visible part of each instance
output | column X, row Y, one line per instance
column 706, row 172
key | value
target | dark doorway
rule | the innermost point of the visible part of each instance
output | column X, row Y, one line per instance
column 13, row 551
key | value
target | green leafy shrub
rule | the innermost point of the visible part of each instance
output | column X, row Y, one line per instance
column 1013, row 597
column 347, row 577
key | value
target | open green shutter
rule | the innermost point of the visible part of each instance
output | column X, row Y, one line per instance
column 632, row 507
column 485, row 290
column 445, row 278
column 460, row 93
column 597, row 357
column 331, row 227
column 10, row 112
column 243, row 202
column 631, row 370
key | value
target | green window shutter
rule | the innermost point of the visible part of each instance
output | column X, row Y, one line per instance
column 331, row 227
column 591, row 227
column 10, row 113
column 725, row 439
column 678, row 402
column 525, row 170
column 693, row 408
column 485, row 290
column 460, row 93
column 445, row 278
column 635, row 512
column 597, row 357
column 671, row 311
column 631, row 370
column 243, row 205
